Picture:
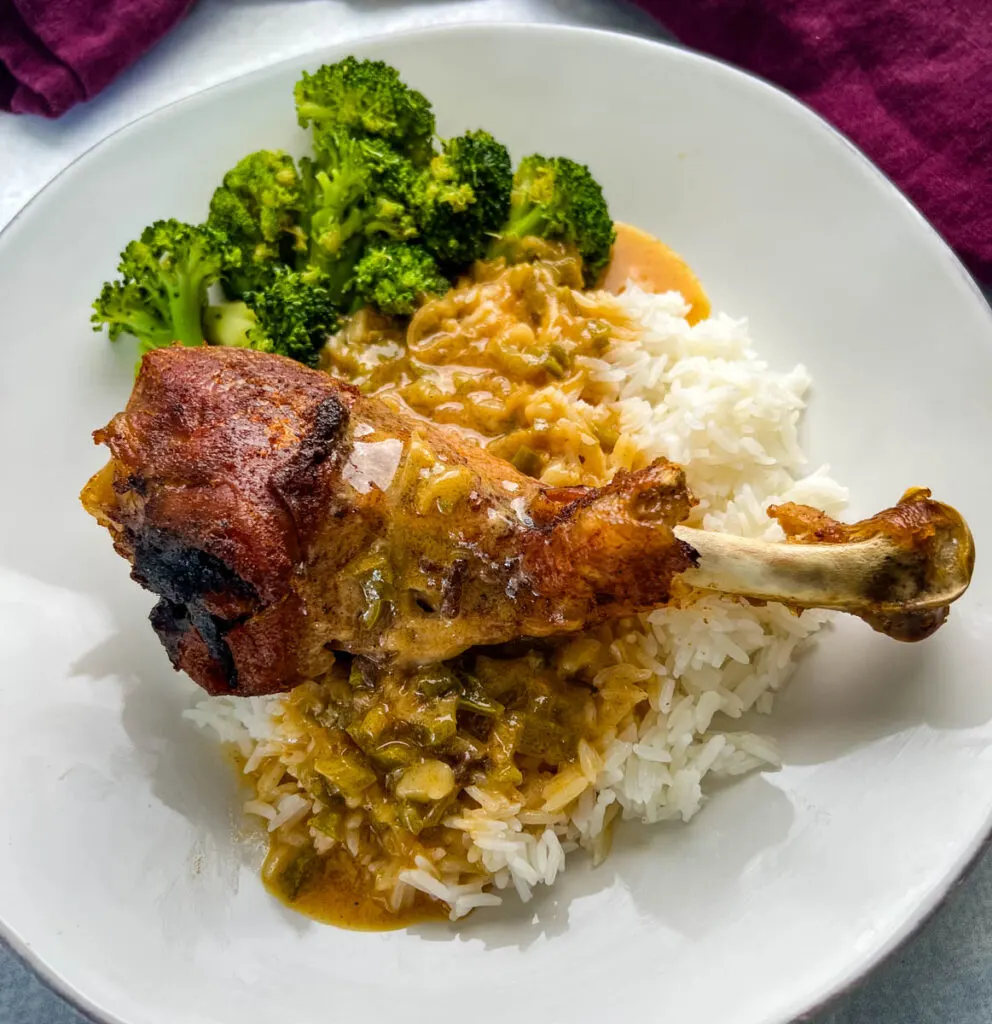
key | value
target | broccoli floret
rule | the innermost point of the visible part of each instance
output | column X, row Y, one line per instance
column 389, row 202
column 292, row 317
column 365, row 99
column 334, row 214
column 463, row 198
column 162, row 290
column 360, row 190
column 559, row 200
column 259, row 207
column 373, row 138
column 397, row 278
column 295, row 314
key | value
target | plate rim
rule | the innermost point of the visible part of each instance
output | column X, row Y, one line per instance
column 934, row 901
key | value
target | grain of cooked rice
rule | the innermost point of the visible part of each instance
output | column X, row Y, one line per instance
column 698, row 395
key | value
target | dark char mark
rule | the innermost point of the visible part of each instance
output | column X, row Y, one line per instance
column 328, row 422
column 297, row 482
column 183, row 577
column 316, row 447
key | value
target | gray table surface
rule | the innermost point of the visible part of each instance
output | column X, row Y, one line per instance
column 941, row 976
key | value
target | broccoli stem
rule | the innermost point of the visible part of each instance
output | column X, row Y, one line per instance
column 228, row 324
column 186, row 311
column 527, row 224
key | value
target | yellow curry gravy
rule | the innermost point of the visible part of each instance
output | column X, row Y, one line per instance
column 337, row 893
column 640, row 257
column 332, row 888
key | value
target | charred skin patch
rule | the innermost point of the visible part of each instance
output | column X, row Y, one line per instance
column 201, row 597
column 324, row 439
column 328, row 424
column 197, row 591
column 165, row 564
column 174, row 624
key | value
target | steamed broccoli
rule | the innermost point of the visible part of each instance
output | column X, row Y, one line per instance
column 295, row 315
column 463, row 198
column 360, row 189
column 162, row 290
column 371, row 133
column 559, row 199
column 333, row 215
column 376, row 216
column 259, row 207
column 365, row 99
column 228, row 324
column 392, row 181
column 397, row 278
column 292, row 317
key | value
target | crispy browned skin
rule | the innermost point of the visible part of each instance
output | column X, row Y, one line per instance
column 282, row 516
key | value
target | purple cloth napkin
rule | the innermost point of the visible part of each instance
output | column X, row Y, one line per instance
column 57, row 53
column 909, row 81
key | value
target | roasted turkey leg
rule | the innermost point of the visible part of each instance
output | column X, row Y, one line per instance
column 281, row 516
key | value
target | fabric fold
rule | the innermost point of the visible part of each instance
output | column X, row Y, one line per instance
column 908, row 81
column 55, row 54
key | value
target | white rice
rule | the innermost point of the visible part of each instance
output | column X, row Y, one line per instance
column 700, row 396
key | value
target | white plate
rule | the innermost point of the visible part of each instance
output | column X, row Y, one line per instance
column 120, row 874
